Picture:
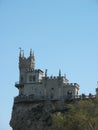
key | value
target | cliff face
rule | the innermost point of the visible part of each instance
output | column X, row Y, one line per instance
column 32, row 116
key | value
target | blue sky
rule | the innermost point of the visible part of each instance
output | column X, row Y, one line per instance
column 63, row 35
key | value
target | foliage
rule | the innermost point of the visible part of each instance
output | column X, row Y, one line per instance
column 81, row 115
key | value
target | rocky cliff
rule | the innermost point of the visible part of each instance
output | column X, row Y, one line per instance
column 32, row 116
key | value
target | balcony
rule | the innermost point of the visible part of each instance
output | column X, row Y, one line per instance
column 19, row 85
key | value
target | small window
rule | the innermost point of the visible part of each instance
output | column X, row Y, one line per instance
column 34, row 78
column 30, row 78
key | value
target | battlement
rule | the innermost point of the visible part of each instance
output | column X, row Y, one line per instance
column 62, row 79
column 53, row 78
column 72, row 84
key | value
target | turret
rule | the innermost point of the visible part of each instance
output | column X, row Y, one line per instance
column 32, row 60
column 31, row 54
column 59, row 73
column 28, row 75
column 26, row 64
column 46, row 73
column 21, row 55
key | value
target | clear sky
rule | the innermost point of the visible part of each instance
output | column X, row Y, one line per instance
column 63, row 35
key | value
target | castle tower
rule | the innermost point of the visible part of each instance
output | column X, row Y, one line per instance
column 28, row 75
column 26, row 65
column 32, row 60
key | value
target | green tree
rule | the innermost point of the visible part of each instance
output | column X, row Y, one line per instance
column 81, row 115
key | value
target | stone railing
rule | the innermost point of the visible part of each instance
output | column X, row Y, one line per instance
column 83, row 96
column 31, row 98
column 25, row 99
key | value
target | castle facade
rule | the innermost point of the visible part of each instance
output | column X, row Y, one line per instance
column 38, row 85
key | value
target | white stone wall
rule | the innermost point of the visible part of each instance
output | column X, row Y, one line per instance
column 26, row 77
column 50, row 88
column 36, row 90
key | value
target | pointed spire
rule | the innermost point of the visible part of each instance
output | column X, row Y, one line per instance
column 31, row 54
column 21, row 53
column 32, row 60
column 46, row 73
column 59, row 73
column 65, row 76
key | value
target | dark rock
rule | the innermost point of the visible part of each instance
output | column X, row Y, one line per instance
column 33, row 116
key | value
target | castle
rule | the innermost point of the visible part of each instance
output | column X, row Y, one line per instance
column 37, row 85
column 40, row 96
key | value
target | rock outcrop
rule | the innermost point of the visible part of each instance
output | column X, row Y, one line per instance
column 32, row 116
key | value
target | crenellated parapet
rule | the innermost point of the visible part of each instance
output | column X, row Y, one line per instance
column 53, row 78
column 73, row 85
column 58, row 78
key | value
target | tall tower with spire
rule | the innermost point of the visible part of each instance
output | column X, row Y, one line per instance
column 28, row 75
column 26, row 65
column 32, row 60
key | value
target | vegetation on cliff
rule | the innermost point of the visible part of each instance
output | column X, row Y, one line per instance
column 81, row 115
